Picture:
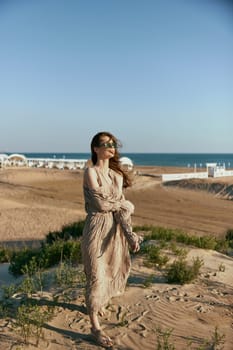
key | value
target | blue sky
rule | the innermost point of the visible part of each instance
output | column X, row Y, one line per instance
column 156, row 73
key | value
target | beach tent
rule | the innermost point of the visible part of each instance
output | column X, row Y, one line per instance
column 3, row 156
column 17, row 159
column 16, row 156
column 3, row 159
column 126, row 163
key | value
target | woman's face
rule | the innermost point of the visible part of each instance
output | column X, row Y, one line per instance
column 107, row 148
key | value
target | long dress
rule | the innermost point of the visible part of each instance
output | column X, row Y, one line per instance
column 105, row 250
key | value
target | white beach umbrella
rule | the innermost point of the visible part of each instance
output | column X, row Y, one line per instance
column 126, row 162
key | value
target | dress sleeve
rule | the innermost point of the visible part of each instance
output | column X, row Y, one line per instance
column 104, row 202
column 123, row 218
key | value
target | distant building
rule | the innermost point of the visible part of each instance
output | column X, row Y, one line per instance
column 212, row 170
column 17, row 160
column 215, row 170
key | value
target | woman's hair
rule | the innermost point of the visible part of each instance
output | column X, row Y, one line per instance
column 114, row 162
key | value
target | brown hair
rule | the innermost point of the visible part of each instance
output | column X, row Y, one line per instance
column 114, row 162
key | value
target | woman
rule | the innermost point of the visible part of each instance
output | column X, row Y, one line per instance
column 107, row 233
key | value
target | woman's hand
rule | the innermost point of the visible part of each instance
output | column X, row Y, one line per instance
column 135, row 247
column 127, row 205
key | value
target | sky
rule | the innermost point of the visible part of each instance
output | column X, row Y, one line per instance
column 158, row 74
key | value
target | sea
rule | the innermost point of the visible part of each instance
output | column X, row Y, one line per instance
column 155, row 159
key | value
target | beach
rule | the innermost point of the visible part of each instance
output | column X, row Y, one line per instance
column 37, row 201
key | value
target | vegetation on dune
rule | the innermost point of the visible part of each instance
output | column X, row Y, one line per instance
column 165, row 341
column 24, row 303
column 28, row 309
column 62, row 250
column 176, row 235
column 66, row 243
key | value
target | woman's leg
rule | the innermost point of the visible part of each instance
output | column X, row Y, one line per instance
column 94, row 320
column 100, row 337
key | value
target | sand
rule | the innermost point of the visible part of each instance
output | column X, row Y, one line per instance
column 36, row 201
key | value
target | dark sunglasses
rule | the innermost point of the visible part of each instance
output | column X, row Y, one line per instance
column 108, row 145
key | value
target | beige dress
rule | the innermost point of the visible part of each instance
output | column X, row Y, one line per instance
column 105, row 249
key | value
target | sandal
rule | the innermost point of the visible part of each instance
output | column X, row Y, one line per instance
column 101, row 338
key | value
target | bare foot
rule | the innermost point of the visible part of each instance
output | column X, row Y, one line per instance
column 101, row 338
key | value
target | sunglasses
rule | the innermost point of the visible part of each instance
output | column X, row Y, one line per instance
column 108, row 145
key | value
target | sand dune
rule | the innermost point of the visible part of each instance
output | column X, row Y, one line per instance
column 35, row 201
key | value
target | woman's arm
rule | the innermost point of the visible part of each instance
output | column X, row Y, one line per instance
column 90, row 178
column 101, row 200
